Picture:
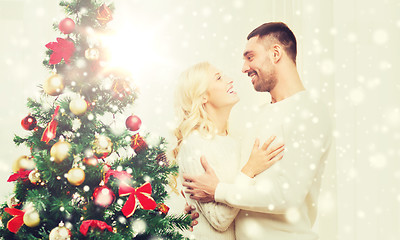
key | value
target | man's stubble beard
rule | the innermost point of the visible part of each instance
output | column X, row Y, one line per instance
column 266, row 83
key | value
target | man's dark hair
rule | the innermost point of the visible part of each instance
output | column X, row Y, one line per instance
column 279, row 31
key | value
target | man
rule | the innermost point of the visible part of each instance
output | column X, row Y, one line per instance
column 281, row 202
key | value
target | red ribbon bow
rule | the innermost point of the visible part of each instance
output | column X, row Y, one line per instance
column 21, row 174
column 143, row 195
column 17, row 221
column 120, row 175
column 94, row 224
column 50, row 131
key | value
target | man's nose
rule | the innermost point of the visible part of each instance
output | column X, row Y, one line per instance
column 245, row 68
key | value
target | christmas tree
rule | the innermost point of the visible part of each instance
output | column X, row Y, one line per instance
column 67, row 187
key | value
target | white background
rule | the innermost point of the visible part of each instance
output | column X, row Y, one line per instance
column 347, row 53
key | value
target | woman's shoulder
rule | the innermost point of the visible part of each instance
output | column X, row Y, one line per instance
column 195, row 137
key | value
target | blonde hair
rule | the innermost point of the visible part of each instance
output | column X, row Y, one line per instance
column 192, row 116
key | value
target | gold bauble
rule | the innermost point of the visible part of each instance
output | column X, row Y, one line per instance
column 54, row 85
column 76, row 176
column 92, row 54
column 60, row 151
column 34, row 176
column 60, row 233
column 78, row 106
column 23, row 163
column 31, row 218
column 102, row 146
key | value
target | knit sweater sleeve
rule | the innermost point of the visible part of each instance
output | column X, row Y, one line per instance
column 219, row 215
column 287, row 183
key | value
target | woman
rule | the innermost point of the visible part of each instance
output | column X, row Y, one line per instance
column 205, row 98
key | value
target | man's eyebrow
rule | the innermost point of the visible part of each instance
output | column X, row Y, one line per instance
column 246, row 53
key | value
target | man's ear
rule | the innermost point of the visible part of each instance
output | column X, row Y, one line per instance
column 276, row 53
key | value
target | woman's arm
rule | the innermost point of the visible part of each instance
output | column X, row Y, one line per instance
column 219, row 215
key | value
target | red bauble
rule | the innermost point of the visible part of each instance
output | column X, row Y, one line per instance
column 133, row 123
column 67, row 26
column 29, row 123
column 103, row 196
column 92, row 161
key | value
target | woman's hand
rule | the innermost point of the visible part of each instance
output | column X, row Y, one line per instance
column 262, row 158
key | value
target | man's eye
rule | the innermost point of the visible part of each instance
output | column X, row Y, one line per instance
column 219, row 78
column 249, row 58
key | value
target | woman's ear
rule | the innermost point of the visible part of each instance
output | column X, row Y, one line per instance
column 204, row 99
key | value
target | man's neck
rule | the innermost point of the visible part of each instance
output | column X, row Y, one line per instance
column 288, row 84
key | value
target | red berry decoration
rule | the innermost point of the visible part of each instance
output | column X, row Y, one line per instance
column 103, row 196
column 29, row 123
column 67, row 26
column 133, row 123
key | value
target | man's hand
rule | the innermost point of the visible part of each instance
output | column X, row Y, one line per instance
column 202, row 187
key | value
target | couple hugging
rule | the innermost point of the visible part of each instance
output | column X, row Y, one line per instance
column 252, row 187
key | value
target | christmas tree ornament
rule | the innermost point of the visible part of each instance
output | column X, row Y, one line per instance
column 120, row 88
column 102, row 146
column 34, row 176
column 23, row 163
column 78, row 200
column 104, row 14
column 78, row 106
column 62, row 49
column 84, row 228
column 91, row 161
column 54, row 85
column 162, row 159
column 60, row 233
column 12, row 201
column 17, row 221
column 60, row 151
column 66, row 26
column 76, row 176
column 92, row 54
column 162, row 209
column 29, row 123
column 31, row 218
column 137, row 143
column 103, row 196
column 50, row 132
column 120, row 175
column 137, row 196
column 133, row 123
column 20, row 175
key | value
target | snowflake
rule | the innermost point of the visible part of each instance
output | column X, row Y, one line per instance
column 139, row 226
column 378, row 161
column 292, row 215
column 380, row 37
column 352, row 37
column 357, row 96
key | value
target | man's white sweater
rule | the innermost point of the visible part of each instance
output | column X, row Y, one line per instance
column 281, row 202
